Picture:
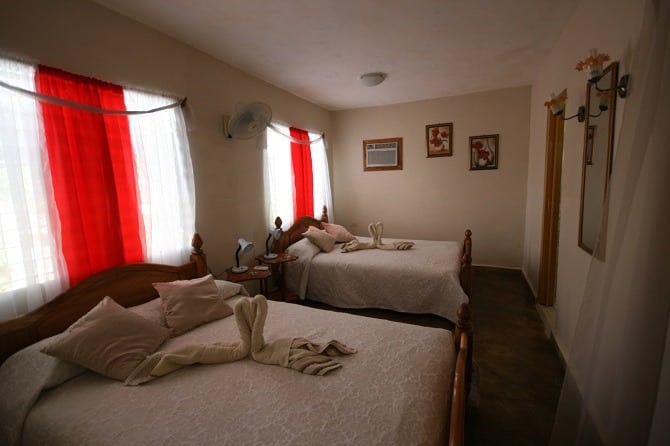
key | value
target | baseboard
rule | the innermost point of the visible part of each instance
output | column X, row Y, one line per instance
column 530, row 286
column 548, row 316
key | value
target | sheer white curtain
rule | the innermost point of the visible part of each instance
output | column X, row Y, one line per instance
column 278, row 175
column 164, row 178
column 617, row 383
column 29, row 258
column 322, row 193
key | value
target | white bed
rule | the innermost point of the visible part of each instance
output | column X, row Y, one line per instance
column 432, row 277
column 405, row 385
column 424, row 279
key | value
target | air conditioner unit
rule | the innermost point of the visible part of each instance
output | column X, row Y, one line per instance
column 382, row 154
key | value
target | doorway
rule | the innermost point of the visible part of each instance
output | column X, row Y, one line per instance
column 551, row 210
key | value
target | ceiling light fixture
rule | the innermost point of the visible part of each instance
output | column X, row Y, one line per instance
column 372, row 79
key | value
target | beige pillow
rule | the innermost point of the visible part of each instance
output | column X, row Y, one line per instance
column 109, row 339
column 189, row 303
column 151, row 311
column 339, row 232
column 320, row 238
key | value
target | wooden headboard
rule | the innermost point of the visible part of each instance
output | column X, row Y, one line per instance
column 128, row 285
column 294, row 233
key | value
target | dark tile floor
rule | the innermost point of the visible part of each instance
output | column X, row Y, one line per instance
column 520, row 374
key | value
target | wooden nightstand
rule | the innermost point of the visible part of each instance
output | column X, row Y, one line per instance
column 250, row 274
column 276, row 265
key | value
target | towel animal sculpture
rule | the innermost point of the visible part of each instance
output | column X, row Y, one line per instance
column 375, row 230
column 250, row 314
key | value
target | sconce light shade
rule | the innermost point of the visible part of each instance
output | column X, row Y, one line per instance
column 372, row 79
column 593, row 65
column 245, row 246
column 557, row 102
column 275, row 234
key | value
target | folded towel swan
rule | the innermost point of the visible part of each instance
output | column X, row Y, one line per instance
column 375, row 230
column 250, row 314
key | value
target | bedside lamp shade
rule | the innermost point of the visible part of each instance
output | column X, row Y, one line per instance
column 245, row 246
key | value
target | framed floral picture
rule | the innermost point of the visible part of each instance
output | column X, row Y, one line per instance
column 484, row 152
column 439, row 139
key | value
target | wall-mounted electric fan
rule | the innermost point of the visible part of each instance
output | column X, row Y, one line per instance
column 248, row 121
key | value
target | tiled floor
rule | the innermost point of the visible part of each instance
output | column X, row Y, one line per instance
column 520, row 374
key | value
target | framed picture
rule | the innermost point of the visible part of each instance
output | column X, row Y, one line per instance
column 484, row 152
column 382, row 154
column 590, row 140
column 439, row 139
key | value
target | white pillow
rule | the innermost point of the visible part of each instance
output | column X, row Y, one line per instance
column 320, row 238
column 230, row 289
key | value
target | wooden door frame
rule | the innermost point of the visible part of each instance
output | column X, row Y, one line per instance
column 551, row 210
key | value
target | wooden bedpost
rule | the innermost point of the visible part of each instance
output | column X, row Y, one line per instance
column 462, row 375
column 198, row 256
column 324, row 214
column 466, row 264
column 464, row 326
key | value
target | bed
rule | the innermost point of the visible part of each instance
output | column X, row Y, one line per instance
column 405, row 385
column 432, row 277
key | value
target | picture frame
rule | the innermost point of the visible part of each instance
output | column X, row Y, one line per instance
column 382, row 154
column 439, row 139
column 484, row 152
column 590, row 141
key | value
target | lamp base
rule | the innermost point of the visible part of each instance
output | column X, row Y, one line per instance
column 240, row 269
column 270, row 256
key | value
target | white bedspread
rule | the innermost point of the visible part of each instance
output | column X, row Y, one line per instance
column 395, row 390
column 424, row 279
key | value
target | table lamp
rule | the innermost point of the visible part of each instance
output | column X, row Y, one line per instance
column 245, row 246
column 276, row 234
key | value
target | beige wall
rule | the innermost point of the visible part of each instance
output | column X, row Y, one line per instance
column 614, row 33
column 84, row 38
column 438, row 198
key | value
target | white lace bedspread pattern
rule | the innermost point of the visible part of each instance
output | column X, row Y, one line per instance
column 424, row 279
column 394, row 391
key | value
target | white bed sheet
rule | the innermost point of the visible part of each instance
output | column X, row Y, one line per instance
column 423, row 279
column 395, row 390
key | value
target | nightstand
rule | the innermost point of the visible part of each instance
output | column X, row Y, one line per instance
column 250, row 274
column 276, row 265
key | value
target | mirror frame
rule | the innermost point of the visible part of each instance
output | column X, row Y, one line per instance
column 613, row 70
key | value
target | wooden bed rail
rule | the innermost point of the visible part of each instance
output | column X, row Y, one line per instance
column 462, row 375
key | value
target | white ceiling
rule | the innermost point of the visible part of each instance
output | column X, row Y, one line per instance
column 318, row 49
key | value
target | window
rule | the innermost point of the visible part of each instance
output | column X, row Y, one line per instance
column 284, row 186
column 52, row 159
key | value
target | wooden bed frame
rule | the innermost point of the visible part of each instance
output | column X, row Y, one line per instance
column 294, row 234
column 131, row 285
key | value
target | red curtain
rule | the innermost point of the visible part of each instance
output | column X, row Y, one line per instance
column 91, row 162
column 303, row 190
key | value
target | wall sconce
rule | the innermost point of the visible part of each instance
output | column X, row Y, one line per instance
column 245, row 246
column 275, row 234
column 557, row 106
column 593, row 66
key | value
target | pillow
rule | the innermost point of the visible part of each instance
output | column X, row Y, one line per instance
column 109, row 339
column 339, row 232
column 320, row 238
column 230, row 289
column 151, row 311
column 189, row 303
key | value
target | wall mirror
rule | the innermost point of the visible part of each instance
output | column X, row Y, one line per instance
column 597, row 159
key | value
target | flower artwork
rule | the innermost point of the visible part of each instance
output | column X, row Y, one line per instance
column 439, row 140
column 484, row 152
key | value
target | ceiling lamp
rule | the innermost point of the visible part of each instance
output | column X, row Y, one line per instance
column 372, row 79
